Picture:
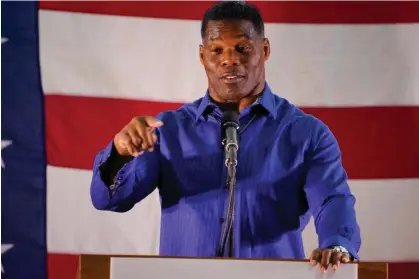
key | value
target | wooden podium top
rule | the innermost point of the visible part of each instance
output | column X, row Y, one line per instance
column 98, row 266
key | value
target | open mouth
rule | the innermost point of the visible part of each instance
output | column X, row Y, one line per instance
column 232, row 78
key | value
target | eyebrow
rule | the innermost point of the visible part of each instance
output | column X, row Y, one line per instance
column 243, row 36
column 237, row 37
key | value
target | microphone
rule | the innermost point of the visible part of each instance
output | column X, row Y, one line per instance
column 229, row 126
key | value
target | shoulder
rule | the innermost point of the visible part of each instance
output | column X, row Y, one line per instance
column 310, row 132
column 301, row 122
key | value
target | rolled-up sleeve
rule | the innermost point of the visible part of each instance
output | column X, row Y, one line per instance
column 328, row 194
column 134, row 181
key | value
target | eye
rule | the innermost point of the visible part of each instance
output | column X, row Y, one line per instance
column 217, row 50
column 243, row 48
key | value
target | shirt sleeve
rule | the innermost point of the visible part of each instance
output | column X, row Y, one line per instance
column 134, row 181
column 329, row 196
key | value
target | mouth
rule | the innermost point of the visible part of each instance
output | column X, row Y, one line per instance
column 232, row 77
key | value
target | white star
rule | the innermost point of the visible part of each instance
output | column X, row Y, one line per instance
column 4, row 144
column 4, row 249
column 3, row 40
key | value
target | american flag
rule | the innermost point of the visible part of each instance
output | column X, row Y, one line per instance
column 73, row 73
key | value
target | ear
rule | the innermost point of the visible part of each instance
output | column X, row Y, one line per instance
column 201, row 54
column 266, row 48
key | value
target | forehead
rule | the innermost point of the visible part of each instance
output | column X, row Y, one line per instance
column 228, row 29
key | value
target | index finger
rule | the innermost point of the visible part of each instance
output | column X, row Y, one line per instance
column 152, row 122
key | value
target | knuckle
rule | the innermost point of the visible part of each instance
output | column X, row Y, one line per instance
column 120, row 138
column 124, row 140
column 136, row 119
column 125, row 136
column 131, row 129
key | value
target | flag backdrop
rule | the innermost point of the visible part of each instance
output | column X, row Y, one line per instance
column 73, row 73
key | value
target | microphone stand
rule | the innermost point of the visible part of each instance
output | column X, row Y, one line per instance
column 231, row 163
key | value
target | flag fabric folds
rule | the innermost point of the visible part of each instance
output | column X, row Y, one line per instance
column 23, row 162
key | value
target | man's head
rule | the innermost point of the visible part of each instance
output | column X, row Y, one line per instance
column 233, row 51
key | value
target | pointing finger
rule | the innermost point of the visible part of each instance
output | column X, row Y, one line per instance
column 153, row 122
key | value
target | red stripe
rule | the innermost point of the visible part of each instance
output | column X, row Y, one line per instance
column 62, row 266
column 78, row 127
column 282, row 12
column 376, row 142
column 406, row 270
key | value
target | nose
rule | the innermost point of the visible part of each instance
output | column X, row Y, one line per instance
column 230, row 59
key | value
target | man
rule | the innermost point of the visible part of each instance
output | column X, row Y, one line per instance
column 289, row 163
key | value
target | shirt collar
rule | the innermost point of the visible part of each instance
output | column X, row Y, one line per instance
column 266, row 100
column 204, row 105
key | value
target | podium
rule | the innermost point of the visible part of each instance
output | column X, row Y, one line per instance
column 153, row 267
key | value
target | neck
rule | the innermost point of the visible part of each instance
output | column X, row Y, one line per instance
column 247, row 101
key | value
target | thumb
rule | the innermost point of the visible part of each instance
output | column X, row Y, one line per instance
column 153, row 122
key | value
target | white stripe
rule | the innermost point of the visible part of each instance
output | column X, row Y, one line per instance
column 75, row 226
column 157, row 59
column 386, row 210
column 387, row 214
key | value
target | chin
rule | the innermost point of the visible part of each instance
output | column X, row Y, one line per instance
column 230, row 92
column 233, row 95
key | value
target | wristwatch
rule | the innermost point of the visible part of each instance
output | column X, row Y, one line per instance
column 342, row 249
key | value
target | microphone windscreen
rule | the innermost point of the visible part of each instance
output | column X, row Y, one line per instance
column 229, row 106
column 230, row 116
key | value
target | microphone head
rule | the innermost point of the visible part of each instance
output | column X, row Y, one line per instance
column 230, row 118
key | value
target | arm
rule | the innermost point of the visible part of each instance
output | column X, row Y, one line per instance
column 329, row 197
column 118, row 183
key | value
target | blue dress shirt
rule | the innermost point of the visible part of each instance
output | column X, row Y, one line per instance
column 289, row 168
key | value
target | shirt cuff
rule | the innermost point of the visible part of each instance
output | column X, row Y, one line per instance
column 338, row 240
column 105, row 155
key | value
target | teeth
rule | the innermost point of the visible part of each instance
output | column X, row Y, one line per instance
column 231, row 77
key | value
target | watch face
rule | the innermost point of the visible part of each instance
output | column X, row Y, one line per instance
column 339, row 249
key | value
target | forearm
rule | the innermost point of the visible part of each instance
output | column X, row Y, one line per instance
column 328, row 194
column 336, row 224
column 118, row 185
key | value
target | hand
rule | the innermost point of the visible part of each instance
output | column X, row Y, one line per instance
column 138, row 135
column 326, row 257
